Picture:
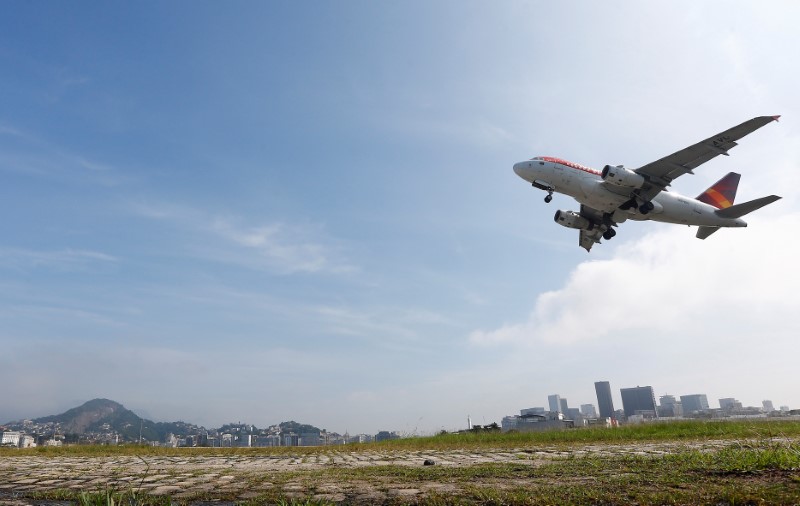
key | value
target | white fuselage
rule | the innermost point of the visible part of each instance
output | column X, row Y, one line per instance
column 587, row 187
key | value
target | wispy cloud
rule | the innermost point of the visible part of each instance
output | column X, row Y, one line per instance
column 65, row 259
column 24, row 152
column 275, row 246
column 389, row 326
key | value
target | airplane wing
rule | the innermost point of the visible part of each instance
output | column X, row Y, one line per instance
column 589, row 237
column 661, row 173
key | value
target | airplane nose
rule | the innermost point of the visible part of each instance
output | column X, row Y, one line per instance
column 521, row 169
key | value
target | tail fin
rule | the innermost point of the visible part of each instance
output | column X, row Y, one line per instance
column 740, row 210
column 722, row 193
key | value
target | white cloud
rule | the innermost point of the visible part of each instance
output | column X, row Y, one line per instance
column 668, row 283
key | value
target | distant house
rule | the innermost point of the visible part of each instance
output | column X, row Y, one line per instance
column 27, row 441
column 10, row 438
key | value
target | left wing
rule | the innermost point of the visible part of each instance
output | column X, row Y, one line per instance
column 589, row 237
column 661, row 173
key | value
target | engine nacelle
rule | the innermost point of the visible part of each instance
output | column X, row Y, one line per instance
column 620, row 176
column 571, row 219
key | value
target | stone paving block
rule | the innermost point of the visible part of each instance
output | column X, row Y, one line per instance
column 165, row 490
column 49, row 482
column 404, row 492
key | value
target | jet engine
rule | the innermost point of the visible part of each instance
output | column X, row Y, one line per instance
column 620, row 176
column 571, row 219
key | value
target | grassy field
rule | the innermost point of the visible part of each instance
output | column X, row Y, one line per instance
column 689, row 430
column 757, row 463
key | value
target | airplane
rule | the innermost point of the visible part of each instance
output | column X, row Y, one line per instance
column 615, row 194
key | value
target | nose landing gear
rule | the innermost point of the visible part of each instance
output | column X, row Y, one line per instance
column 543, row 185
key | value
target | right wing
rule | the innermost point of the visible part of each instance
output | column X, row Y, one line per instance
column 661, row 173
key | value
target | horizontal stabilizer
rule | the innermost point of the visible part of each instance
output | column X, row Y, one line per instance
column 704, row 232
column 740, row 210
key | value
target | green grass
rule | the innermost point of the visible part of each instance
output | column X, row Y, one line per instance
column 758, row 464
column 687, row 430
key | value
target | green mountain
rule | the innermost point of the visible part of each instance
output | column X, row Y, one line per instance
column 298, row 428
column 103, row 415
column 102, row 418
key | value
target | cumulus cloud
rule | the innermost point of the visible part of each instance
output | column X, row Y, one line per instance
column 669, row 283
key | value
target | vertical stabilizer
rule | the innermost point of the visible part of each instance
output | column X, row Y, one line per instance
column 722, row 193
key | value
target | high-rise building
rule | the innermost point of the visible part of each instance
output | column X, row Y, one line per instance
column 564, row 405
column 639, row 401
column 729, row 404
column 554, row 401
column 669, row 406
column 588, row 411
column 768, row 407
column 694, row 403
column 604, row 401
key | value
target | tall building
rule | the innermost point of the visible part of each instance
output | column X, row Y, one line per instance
column 639, row 401
column 604, row 402
column 729, row 404
column 669, row 406
column 694, row 403
column 588, row 411
column 555, row 403
column 574, row 414
column 564, row 405
column 768, row 407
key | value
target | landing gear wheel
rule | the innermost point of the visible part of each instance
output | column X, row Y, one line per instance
column 548, row 198
column 608, row 234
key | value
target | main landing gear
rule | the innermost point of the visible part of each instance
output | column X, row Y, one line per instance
column 608, row 234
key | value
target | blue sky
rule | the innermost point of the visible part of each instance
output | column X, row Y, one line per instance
column 262, row 211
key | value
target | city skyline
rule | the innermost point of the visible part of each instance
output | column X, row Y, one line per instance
column 274, row 211
column 695, row 402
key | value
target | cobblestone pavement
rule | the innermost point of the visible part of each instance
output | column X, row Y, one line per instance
column 242, row 476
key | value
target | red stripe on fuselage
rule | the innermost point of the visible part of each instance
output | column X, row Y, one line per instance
column 571, row 164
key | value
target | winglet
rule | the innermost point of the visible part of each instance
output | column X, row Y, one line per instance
column 776, row 118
